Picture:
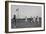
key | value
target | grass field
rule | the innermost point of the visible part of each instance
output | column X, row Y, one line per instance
column 21, row 23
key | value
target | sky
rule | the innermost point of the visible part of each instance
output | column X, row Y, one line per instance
column 21, row 11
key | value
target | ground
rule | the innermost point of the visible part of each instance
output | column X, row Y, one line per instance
column 21, row 23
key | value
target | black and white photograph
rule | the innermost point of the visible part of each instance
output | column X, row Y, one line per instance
column 24, row 16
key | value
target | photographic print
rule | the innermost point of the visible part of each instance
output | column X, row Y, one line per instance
column 25, row 16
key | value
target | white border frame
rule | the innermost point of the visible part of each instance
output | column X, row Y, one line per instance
column 25, row 29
